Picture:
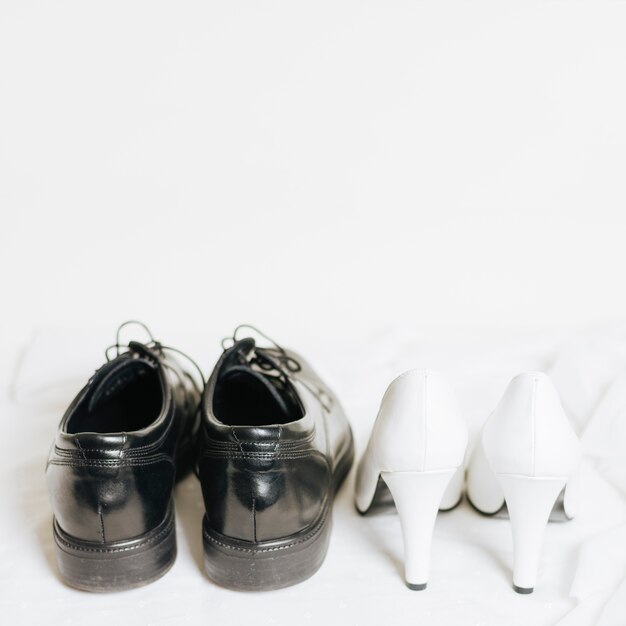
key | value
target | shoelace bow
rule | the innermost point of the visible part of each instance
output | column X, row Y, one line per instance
column 153, row 344
column 276, row 359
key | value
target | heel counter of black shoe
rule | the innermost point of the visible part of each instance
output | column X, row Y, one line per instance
column 98, row 498
column 255, row 494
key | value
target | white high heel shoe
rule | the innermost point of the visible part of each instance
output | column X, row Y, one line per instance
column 417, row 447
column 526, row 457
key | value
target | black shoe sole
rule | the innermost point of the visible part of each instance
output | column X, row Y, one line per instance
column 119, row 565
column 268, row 565
column 247, row 566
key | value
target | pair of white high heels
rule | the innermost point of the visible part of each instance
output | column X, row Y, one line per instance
column 526, row 458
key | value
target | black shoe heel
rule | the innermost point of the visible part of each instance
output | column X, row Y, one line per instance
column 119, row 565
column 267, row 565
column 263, row 566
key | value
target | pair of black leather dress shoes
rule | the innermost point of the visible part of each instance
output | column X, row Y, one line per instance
column 267, row 438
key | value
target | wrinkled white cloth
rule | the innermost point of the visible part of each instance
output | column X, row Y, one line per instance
column 583, row 566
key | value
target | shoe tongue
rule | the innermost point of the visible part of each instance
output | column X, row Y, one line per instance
column 264, row 381
column 237, row 363
column 238, row 353
column 112, row 380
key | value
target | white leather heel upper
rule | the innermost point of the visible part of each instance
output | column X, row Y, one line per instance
column 419, row 428
column 417, row 446
column 526, row 454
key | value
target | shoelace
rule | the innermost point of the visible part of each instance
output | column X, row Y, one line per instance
column 153, row 344
column 276, row 359
column 267, row 358
column 158, row 347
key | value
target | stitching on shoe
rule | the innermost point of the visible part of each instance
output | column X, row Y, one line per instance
column 234, row 434
column 64, row 452
column 112, row 462
column 284, row 444
column 80, row 448
column 146, row 542
column 262, row 455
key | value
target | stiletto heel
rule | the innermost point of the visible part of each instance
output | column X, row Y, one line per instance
column 526, row 455
column 417, row 496
column 417, row 447
column 529, row 501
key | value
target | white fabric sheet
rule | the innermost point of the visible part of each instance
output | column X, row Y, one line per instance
column 583, row 566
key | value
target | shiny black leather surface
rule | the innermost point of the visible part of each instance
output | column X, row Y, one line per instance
column 265, row 482
column 110, row 486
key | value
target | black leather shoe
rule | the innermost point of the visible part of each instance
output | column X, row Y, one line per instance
column 120, row 446
column 276, row 445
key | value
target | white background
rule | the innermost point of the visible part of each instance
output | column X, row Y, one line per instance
column 331, row 169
